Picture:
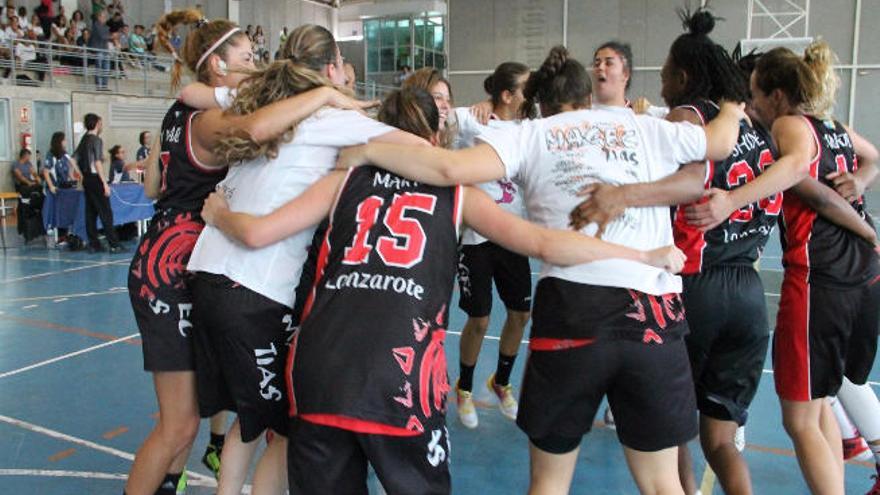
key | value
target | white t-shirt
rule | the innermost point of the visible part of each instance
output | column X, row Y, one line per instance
column 505, row 193
column 261, row 186
column 554, row 158
column 26, row 52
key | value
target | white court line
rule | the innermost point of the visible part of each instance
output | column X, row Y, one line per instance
column 90, row 475
column 67, row 356
column 49, row 274
column 59, row 260
column 85, row 443
column 64, row 297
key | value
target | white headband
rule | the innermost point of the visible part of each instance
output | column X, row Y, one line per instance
column 215, row 45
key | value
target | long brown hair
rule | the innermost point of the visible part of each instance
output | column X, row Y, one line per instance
column 412, row 110
column 561, row 80
column 308, row 49
column 809, row 82
column 202, row 35
column 426, row 78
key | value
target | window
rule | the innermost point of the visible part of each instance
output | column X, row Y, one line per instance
column 392, row 42
column 5, row 131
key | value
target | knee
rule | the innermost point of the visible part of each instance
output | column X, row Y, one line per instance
column 478, row 326
column 180, row 433
column 797, row 426
column 519, row 318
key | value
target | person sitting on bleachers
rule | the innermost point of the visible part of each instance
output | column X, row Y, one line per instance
column 13, row 29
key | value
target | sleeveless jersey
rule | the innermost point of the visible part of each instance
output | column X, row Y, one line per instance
column 741, row 238
column 369, row 355
column 830, row 254
column 185, row 182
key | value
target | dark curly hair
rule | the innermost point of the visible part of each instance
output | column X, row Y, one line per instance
column 560, row 80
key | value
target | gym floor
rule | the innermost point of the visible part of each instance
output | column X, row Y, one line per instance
column 75, row 403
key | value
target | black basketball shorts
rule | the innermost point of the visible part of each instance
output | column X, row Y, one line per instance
column 728, row 339
column 482, row 263
column 241, row 347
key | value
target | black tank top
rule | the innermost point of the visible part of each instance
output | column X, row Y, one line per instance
column 741, row 238
column 185, row 183
column 830, row 254
column 371, row 344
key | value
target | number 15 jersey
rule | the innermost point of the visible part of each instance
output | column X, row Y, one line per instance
column 369, row 356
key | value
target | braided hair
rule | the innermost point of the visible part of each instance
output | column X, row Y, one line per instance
column 561, row 80
column 711, row 72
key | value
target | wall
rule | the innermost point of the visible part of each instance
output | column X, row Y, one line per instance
column 525, row 30
column 273, row 15
column 115, row 132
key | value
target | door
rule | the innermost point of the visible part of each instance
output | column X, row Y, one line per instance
column 49, row 118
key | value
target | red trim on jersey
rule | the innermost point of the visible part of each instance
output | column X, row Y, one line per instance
column 696, row 111
column 550, row 344
column 791, row 341
column 358, row 425
column 691, row 240
column 192, row 156
column 288, row 374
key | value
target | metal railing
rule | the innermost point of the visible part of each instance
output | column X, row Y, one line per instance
column 372, row 91
column 77, row 67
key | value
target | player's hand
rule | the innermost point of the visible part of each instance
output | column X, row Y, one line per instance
column 710, row 211
column 106, row 190
column 640, row 105
column 214, row 205
column 847, row 185
column 482, row 111
column 353, row 156
column 53, row 189
column 669, row 258
column 604, row 204
column 737, row 108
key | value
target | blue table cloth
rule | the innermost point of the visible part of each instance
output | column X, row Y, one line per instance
column 67, row 208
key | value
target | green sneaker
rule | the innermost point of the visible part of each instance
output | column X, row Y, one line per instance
column 211, row 460
column 181, row 485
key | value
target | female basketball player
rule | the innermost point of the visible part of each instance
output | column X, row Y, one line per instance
column 219, row 54
column 829, row 258
column 243, row 298
column 432, row 81
column 697, row 76
column 481, row 261
column 350, row 406
column 634, row 320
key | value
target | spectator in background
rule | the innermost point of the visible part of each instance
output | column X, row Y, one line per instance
column 37, row 27
column 150, row 38
column 136, row 42
column 118, row 168
column 350, row 75
column 90, row 157
column 28, row 185
column 13, row 29
column 98, row 6
column 176, row 40
column 70, row 55
column 260, row 43
column 46, row 14
column 84, row 38
column 23, row 18
column 59, row 170
column 78, row 23
column 403, row 75
column 24, row 173
column 59, row 29
column 250, row 32
column 100, row 39
column 6, row 11
column 115, row 23
column 283, row 36
column 145, row 138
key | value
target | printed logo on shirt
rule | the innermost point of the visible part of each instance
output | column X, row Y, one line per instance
column 614, row 140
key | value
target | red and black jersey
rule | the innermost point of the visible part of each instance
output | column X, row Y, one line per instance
column 741, row 238
column 185, row 182
column 369, row 355
column 831, row 254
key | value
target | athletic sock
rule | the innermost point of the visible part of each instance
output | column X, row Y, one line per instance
column 466, row 377
column 169, row 484
column 505, row 366
column 217, row 440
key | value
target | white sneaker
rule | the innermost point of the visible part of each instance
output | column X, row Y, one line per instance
column 609, row 419
column 506, row 398
column 467, row 413
column 740, row 438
